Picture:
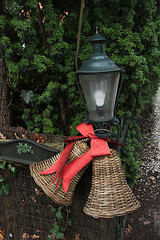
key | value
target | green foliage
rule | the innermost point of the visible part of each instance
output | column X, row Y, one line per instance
column 5, row 188
column 24, row 148
column 12, row 169
column 1, row 179
column 39, row 56
column 62, row 219
column 27, row 95
column 59, row 213
column 2, row 164
column 4, row 184
column 56, row 232
column 39, row 44
column 131, row 150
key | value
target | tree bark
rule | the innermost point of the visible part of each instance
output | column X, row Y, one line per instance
column 4, row 111
column 63, row 113
column 1, row 7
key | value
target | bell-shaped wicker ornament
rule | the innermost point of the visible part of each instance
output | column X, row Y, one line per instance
column 110, row 194
column 45, row 181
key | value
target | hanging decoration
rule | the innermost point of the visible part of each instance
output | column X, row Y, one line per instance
column 110, row 194
column 45, row 182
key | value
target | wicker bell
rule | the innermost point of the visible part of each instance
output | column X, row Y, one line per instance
column 45, row 181
column 110, row 194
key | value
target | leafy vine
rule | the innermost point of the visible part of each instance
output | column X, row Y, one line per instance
column 63, row 216
column 4, row 184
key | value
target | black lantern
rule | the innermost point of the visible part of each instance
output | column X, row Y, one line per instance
column 100, row 80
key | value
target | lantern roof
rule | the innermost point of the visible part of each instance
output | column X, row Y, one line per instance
column 98, row 62
column 97, row 37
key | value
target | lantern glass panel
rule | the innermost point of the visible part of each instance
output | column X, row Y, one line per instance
column 100, row 90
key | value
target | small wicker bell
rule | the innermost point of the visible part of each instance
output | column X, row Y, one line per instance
column 45, row 181
column 110, row 194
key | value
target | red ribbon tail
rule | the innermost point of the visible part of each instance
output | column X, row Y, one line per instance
column 72, row 168
column 51, row 169
column 58, row 182
column 56, row 176
column 58, row 165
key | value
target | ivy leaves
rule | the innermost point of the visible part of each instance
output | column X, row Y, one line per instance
column 62, row 218
column 55, row 231
column 4, row 185
column 2, row 164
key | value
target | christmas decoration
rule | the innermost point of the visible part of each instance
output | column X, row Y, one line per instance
column 110, row 194
column 45, row 182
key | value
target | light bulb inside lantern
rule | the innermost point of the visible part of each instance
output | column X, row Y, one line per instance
column 99, row 97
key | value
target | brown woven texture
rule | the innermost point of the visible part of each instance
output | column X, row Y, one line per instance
column 45, row 181
column 110, row 194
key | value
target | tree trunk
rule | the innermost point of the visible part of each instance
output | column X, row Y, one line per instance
column 1, row 7
column 4, row 111
column 63, row 114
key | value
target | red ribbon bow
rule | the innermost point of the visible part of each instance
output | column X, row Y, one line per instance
column 99, row 147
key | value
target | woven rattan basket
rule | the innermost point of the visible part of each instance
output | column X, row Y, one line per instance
column 110, row 194
column 45, row 181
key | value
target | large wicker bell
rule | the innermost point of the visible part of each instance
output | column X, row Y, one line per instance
column 110, row 194
column 45, row 181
